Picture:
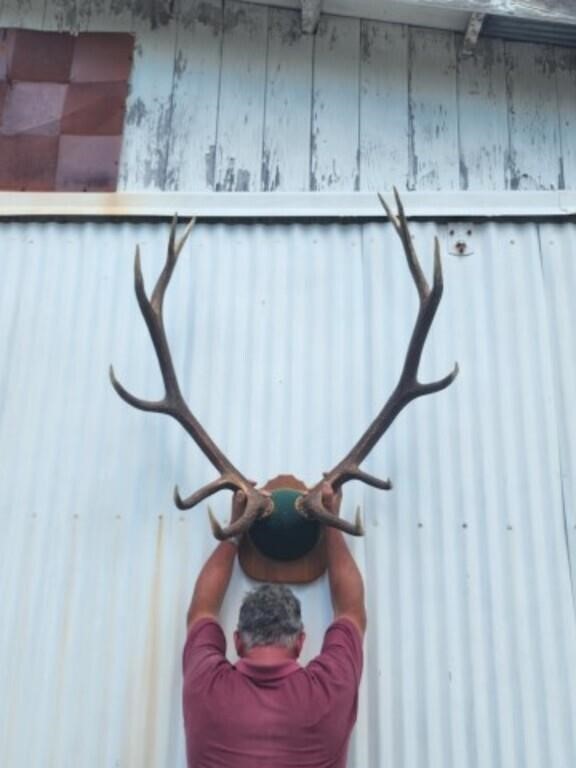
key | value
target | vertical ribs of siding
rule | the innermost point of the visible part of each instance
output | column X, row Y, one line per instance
column 560, row 280
column 288, row 339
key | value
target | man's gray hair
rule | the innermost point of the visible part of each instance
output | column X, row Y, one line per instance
column 270, row 615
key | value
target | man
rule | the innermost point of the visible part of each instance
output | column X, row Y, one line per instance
column 267, row 711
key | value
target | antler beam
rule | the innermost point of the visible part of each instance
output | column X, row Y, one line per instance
column 258, row 504
column 407, row 389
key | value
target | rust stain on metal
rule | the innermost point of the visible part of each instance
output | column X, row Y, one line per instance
column 152, row 650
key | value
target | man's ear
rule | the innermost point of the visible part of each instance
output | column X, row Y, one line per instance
column 298, row 645
column 238, row 644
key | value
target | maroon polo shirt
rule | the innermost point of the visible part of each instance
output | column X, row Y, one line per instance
column 270, row 716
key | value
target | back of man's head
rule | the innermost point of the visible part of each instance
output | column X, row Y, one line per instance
column 270, row 615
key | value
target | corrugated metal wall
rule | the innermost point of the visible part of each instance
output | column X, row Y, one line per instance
column 231, row 96
column 288, row 338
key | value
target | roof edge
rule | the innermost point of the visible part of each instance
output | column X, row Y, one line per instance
column 442, row 14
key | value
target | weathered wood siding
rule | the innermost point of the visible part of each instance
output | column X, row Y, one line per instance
column 232, row 96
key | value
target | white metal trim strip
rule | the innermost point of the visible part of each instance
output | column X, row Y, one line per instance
column 301, row 205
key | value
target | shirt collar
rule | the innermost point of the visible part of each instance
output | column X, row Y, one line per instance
column 267, row 672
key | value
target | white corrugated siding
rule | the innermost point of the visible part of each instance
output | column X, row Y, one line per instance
column 288, row 338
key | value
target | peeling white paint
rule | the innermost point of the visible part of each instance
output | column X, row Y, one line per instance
column 231, row 96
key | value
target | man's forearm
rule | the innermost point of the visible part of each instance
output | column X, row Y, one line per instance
column 212, row 582
column 346, row 584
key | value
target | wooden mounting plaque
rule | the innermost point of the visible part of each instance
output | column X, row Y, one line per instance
column 302, row 571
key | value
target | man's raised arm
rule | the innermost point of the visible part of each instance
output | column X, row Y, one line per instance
column 213, row 579
column 346, row 584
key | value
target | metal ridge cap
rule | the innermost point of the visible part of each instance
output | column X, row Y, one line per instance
column 444, row 14
column 284, row 205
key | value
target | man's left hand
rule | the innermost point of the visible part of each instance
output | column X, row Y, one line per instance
column 238, row 505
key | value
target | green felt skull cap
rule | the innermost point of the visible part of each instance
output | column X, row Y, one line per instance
column 286, row 534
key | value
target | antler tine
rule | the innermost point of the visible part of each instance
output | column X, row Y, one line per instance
column 401, row 226
column 251, row 513
column 172, row 253
column 407, row 389
column 173, row 404
column 311, row 506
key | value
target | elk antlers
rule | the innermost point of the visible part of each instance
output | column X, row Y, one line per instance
column 258, row 503
column 407, row 389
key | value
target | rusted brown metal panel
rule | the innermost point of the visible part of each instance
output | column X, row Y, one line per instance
column 33, row 108
column 71, row 89
column 94, row 109
column 88, row 163
column 102, row 57
column 28, row 162
column 41, row 56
